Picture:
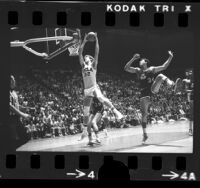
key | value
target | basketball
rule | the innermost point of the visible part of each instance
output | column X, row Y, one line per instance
column 75, row 36
column 91, row 36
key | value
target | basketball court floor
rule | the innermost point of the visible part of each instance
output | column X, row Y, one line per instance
column 171, row 137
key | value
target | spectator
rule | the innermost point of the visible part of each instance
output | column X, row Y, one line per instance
column 57, row 97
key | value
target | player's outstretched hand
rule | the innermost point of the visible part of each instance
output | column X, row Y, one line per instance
column 136, row 56
column 170, row 53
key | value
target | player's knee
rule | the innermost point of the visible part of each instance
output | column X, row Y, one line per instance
column 157, row 83
column 161, row 77
column 96, row 128
column 94, row 125
column 102, row 99
column 86, row 111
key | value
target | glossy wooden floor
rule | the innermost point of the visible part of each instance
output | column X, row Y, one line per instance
column 169, row 137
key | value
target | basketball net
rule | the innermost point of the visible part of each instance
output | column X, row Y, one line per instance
column 73, row 49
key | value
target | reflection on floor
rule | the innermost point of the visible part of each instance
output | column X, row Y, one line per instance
column 169, row 137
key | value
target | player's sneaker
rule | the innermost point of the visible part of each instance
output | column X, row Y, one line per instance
column 98, row 140
column 190, row 132
column 145, row 137
column 178, row 85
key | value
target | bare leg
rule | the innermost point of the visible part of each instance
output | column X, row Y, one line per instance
column 191, row 119
column 144, row 104
column 95, row 120
column 89, row 129
column 105, row 124
column 86, row 113
column 109, row 104
column 160, row 79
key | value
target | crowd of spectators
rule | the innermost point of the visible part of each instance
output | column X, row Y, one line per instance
column 57, row 98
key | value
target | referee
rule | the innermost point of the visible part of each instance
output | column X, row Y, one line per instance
column 17, row 131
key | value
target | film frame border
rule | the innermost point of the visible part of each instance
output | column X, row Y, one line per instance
column 74, row 157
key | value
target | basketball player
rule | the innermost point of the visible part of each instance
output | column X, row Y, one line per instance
column 188, row 88
column 96, row 114
column 89, row 70
column 148, row 85
column 105, row 124
column 15, row 113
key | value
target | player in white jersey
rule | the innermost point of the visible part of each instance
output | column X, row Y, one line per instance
column 91, row 88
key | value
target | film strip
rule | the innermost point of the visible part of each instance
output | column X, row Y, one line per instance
column 141, row 124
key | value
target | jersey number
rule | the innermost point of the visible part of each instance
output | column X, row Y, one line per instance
column 87, row 74
column 143, row 76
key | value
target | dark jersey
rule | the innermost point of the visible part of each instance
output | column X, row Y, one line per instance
column 97, row 106
column 188, row 87
column 146, row 80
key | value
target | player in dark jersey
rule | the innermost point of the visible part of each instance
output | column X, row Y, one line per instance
column 150, row 85
column 96, row 114
column 188, row 89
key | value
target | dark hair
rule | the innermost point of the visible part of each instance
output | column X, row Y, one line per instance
column 145, row 59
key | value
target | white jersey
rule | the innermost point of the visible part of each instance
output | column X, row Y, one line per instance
column 89, row 76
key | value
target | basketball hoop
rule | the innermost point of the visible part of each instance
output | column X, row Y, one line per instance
column 74, row 49
column 24, row 44
column 64, row 39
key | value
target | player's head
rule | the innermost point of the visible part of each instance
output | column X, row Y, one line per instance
column 186, row 73
column 143, row 63
column 88, row 60
column 189, row 73
column 12, row 82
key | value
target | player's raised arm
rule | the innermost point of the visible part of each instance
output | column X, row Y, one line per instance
column 96, row 50
column 81, row 50
column 128, row 67
column 165, row 65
